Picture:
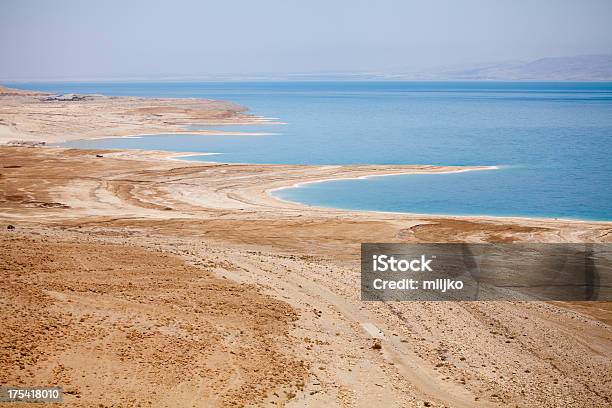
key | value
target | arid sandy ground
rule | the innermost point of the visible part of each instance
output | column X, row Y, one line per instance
column 133, row 278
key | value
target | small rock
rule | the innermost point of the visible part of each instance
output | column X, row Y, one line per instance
column 10, row 227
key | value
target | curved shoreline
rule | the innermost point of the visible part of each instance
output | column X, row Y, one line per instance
column 483, row 217
column 181, row 157
column 371, row 171
column 417, row 214
column 303, row 183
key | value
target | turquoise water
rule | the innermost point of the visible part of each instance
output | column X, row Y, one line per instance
column 552, row 141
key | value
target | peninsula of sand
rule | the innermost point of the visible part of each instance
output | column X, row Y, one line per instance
column 132, row 279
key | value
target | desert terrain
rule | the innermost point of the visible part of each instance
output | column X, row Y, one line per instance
column 134, row 279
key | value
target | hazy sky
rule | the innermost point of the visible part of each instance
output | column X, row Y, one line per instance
column 97, row 39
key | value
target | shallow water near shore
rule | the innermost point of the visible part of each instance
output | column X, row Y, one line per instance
column 552, row 141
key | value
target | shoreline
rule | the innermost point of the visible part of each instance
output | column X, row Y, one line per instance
column 466, row 169
column 177, row 156
column 416, row 214
column 142, row 154
column 263, row 194
column 271, row 191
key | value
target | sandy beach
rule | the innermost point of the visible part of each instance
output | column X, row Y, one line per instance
column 131, row 277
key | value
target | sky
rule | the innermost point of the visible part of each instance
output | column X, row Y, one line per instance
column 65, row 39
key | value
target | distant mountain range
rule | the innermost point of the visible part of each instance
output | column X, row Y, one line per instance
column 578, row 68
column 574, row 68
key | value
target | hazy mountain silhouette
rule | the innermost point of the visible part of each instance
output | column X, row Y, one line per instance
column 576, row 68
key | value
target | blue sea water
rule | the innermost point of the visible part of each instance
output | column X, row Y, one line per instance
column 552, row 141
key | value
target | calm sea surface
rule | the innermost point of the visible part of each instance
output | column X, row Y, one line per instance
column 552, row 141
